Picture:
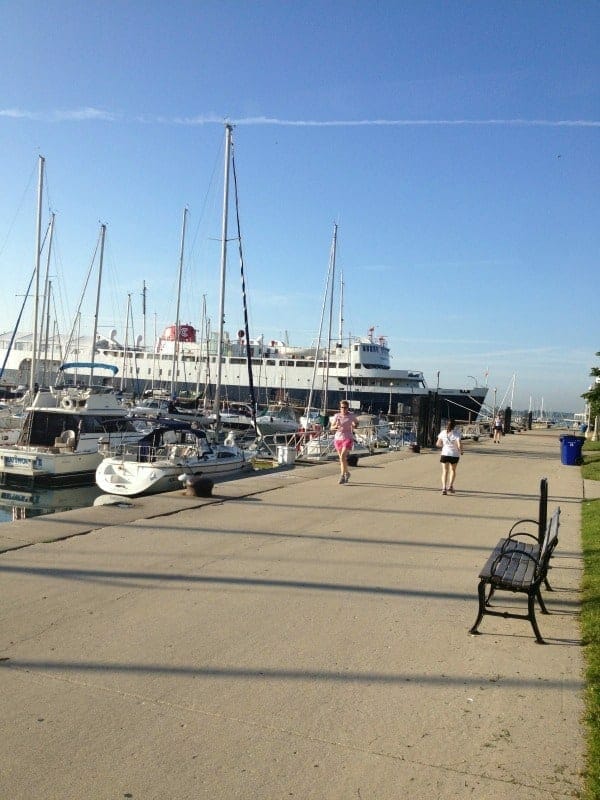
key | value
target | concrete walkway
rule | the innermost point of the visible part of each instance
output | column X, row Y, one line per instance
column 293, row 638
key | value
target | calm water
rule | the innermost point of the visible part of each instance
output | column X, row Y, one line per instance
column 18, row 502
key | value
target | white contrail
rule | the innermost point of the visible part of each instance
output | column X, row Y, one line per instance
column 573, row 123
column 90, row 113
column 349, row 123
column 74, row 115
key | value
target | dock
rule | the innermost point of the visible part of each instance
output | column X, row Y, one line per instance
column 289, row 637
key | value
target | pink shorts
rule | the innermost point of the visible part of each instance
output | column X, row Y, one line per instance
column 343, row 444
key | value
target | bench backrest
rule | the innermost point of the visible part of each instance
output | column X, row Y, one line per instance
column 549, row 541
column 543, row 510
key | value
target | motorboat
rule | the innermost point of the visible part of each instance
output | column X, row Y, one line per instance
column 163, row 458
column 156, row 407
column 277, row 418
column 61, row 434
column 235, row 416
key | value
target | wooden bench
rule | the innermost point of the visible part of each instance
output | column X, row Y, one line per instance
column 539, row 525
column 518, row 567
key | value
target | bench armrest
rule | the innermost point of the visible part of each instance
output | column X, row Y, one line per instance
column 523, row 522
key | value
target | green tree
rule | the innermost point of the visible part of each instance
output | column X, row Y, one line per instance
column 592, row 396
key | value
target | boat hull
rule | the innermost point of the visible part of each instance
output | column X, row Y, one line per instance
column 25, row 464
column 131, row 478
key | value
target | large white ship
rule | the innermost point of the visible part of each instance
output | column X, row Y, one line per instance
column 358, row 370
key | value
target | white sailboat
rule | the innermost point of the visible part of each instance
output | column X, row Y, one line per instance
column 541, row 421
column 63, row 428
column 162, row 458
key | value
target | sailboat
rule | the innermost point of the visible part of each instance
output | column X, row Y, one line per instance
column 277, row 418
column 159, row 461
column 64, row 427
column 541, row 421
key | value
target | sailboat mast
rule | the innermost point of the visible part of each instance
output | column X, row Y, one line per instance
column 154, row 346
column 318, row 345
column 217, row 400
column 341, row 322
column 177, row 321
column 202, row 328
column 95, row 333
column 144, row 291
column 46, row 304
column 126, row 343
column 328, row 354
column 47, row 367
column 38, row 248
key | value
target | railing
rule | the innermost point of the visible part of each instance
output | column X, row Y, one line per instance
column 317, row 446
column 472, row 432
column 146, row 453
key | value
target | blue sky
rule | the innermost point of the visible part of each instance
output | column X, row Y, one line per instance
column 455, row 144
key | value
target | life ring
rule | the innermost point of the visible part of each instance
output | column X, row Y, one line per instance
column 67, row 402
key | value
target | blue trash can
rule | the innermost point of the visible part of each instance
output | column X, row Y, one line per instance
column 570, row 450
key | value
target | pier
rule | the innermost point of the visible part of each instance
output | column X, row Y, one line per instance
column 289, row 637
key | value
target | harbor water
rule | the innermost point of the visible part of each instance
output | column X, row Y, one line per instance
column 23, row 502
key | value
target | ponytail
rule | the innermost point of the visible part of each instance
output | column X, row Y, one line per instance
column 450, row 425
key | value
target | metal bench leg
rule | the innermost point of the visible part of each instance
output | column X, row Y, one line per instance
column 481, row 593
column 541, row 602
column 532, row 619
column 490, row 594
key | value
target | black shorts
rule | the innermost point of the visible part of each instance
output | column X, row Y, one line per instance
column 449, row 459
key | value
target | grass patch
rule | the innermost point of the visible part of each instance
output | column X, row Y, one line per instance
column 590, row 629
column 591, row 461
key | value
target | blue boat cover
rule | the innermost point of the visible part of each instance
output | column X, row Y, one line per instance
column 88, row 365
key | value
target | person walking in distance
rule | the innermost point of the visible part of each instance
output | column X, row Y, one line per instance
column 498, row 428
column 343, row 423
column 451, row 443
